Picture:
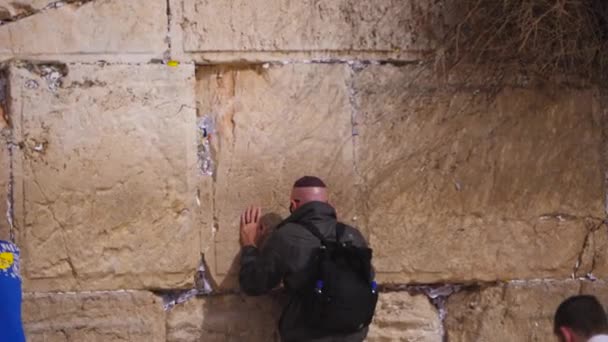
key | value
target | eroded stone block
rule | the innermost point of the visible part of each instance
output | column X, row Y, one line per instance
column 104, row 176
column 95, row 30
column 513, row 312
column 466, row 184
column 399, row 317
column 93, row 316
column 273, row 125
column 224, row 318
column 278, row 28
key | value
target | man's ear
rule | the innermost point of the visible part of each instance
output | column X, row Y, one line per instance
column 567, row 334
column 293, row 205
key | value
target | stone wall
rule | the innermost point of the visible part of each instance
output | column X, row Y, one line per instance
column 122, row 173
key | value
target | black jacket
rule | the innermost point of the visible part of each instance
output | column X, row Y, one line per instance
column 287, row 251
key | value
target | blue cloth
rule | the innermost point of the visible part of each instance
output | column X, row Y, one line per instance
column 11, row 328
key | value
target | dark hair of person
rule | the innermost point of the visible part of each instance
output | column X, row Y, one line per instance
column 583, row 314
column 309, row 182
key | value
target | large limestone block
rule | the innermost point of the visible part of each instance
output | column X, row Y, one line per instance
column 93, row 317
column 465, row 183
column 273, row 125
column 104, row 177
column 512, row 312
column 105, row 29
column 403, row 317
column 224, row 318
column 399, row 317
column 279, row 29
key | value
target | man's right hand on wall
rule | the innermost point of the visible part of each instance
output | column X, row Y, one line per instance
column 251, row 229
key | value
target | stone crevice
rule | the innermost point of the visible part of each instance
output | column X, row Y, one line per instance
column 584, row 247
column 167, row 54
column 355, row 113
column 202, row 287
column 438, row 296
column 10, row 198
column 7, row 135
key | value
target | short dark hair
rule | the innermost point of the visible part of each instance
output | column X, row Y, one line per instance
column 583, row 314
column 309, row 182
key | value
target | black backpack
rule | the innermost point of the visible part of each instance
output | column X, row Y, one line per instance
column 339, row 294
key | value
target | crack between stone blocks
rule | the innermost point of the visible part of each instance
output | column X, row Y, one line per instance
column 8, row 136
column 202, row 287
column 155, row 61
column 167, row 54
column 354, row 117
column 358, row 63
column 438, row 295
column 30, row 11
column 413, row 289
column 75, row 293
column 206, row 167
column 10, row 198
column 581, row 253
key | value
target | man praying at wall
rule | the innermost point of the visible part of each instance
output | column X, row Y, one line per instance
column 287, row 254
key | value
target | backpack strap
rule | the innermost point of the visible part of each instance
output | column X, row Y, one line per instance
column 340, row 229
column 314, row 231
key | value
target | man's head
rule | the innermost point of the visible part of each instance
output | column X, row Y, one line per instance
column 307, row 189
column 578, row 318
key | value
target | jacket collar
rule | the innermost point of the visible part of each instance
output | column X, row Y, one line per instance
column 312, row 212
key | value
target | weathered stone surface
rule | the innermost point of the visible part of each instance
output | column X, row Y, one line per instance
column 224, row 318
column 399, row 317
column 105, row 29
column 403, row 317
column 512, row 312
column 474, row 184
column 105, row 176
column 93, row 316
column 597, row 288
column 599, row 266
column 278, row 29
column 274, row 125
